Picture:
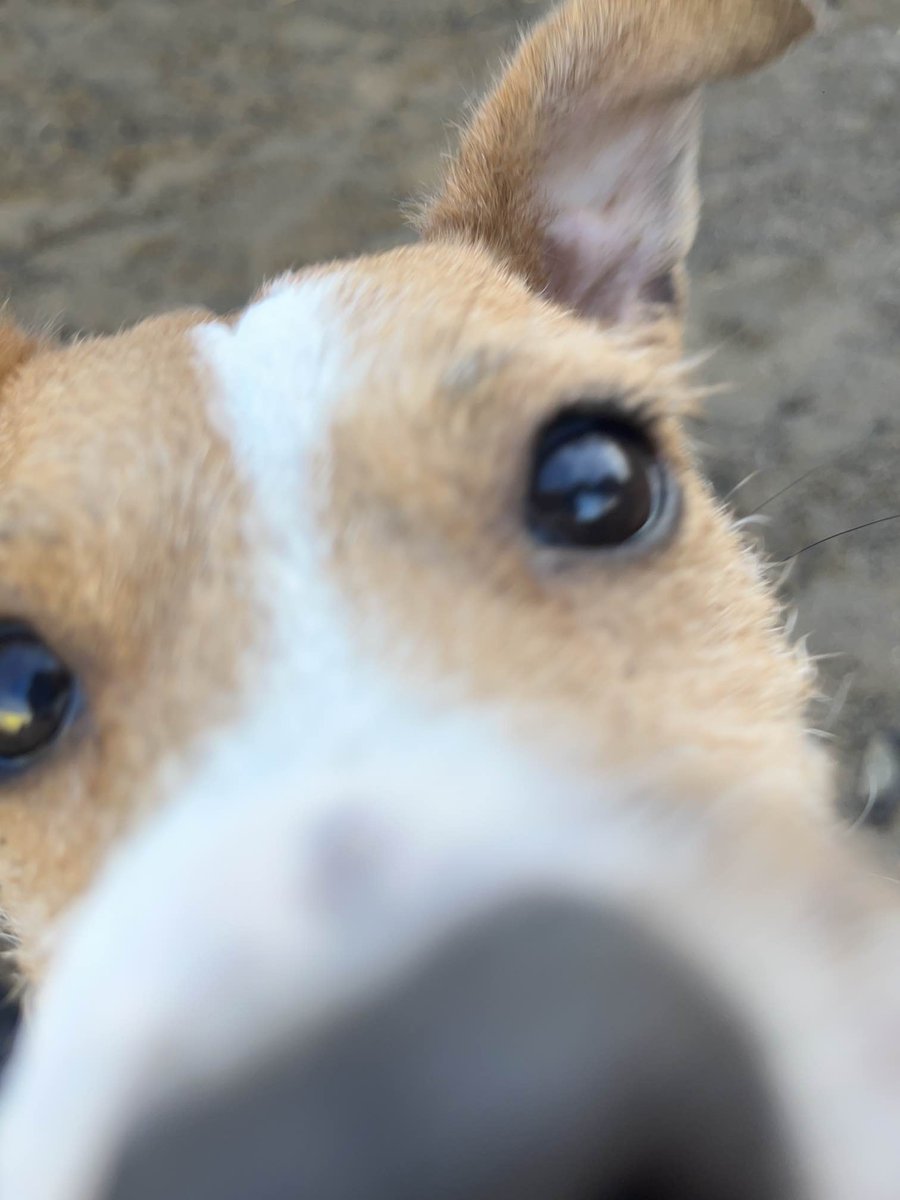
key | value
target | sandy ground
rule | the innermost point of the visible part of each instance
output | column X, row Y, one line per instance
column 158, row 152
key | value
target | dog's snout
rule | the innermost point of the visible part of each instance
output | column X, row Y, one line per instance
column 550, row 1052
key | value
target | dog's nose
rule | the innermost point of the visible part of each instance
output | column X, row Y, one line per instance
column 550, row 1052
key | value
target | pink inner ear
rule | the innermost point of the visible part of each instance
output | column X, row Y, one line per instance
column 619, row 192
column 596, row 265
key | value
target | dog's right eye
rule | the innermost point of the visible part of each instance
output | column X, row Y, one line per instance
column 37, row 696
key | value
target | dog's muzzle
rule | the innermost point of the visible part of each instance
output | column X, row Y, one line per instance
column 550, row 1050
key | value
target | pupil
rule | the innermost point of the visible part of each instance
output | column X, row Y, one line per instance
column 46, row 689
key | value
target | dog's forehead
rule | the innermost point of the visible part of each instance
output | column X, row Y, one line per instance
column 418, row 331
column 399, row 379
column 127, row 433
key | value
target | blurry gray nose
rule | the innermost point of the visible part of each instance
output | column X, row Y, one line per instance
column 549, row 1052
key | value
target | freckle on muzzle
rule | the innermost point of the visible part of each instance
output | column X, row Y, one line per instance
column 551, row 1051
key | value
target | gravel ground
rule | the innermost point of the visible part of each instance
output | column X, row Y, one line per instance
column 158, row 152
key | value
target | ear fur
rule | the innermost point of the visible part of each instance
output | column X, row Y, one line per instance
column 579, row 168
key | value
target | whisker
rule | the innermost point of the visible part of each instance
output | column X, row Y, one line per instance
column 788, row 486
column 828, row 462
column 841, row 533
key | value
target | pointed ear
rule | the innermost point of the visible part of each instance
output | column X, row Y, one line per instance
column 15, row 346
column 579, row 169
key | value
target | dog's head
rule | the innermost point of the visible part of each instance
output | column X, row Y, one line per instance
column 381, row 687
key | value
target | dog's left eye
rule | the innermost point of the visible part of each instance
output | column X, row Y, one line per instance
column 37, row 695
column 598, row 482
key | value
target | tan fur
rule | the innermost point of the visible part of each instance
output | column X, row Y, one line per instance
column 119, row 539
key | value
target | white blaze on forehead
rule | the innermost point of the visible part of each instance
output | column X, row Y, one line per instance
column 278, row 377
column 279, row 371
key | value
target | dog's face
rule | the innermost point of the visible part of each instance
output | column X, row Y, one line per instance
column 397, row 596
column 339, row 509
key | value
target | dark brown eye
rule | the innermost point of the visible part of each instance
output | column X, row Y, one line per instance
column 37, row 695
column 597, row 481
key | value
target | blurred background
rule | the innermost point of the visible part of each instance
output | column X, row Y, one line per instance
column 164, row 152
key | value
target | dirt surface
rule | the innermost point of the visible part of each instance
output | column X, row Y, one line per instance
column 160, row 152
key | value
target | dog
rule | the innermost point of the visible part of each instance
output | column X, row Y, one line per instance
column 406, row 782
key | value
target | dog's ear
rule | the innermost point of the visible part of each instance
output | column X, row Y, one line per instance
column 15, row 346
column 579, row 169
